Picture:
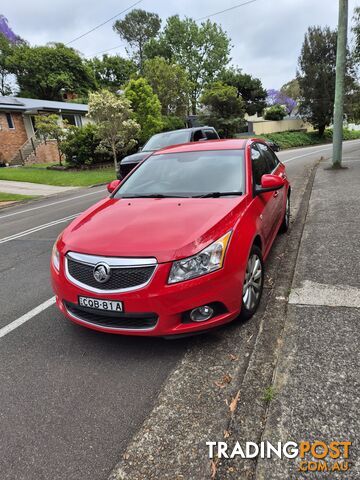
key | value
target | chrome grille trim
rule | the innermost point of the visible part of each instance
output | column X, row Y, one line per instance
column 113, row 262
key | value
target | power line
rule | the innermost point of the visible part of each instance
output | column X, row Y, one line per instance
column 108, row 50
column 103, row 23
column 223, row 11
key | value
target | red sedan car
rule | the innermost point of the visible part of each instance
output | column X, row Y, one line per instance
column 179, row 245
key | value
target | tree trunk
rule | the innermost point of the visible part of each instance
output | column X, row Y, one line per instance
column 321, row 130
column 114, row 156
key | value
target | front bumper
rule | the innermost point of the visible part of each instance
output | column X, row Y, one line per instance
column 168, row 303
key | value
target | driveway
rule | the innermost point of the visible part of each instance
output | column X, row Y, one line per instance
column 33, row 189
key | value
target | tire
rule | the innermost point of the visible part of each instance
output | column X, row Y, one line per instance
column 253, row 284
column 284, row 227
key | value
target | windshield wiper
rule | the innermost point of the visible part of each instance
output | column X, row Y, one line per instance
column 153, row 195
column 218, row 194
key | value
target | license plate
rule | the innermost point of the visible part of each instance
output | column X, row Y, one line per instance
column 98, row 304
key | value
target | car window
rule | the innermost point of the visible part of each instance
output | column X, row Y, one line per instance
column 166, row 139
column 270, row 156
column 187, row 174
column 211, row 135
column 198, row 135
column 259, row 164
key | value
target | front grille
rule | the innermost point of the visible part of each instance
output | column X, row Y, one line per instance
column 130, row 321
column 120, row 278
column 126, row 168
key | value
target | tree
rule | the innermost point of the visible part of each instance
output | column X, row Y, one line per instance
column 225, row 108
column 202, row 50
column 356, row 32
column 170, row 83
column 46, row 71
column 111, row 71
column 250, row 89
column 276, row 97
column 291, row 89
column 275, row 112
column 6, row 49
column 146, row 107
column 49, row 127
column 114, row 118
column 137, row 28
column 316, row 76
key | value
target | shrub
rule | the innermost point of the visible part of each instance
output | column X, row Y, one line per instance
column 81, row 146
column 275, row 112
column 172, row 123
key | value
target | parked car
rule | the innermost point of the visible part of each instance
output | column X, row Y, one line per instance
column 165, row 139
column 273, row 145
column 180, row 244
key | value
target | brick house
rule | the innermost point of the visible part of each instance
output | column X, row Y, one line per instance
column 18, row 141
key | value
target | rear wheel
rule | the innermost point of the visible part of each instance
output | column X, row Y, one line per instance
column 253, row 283
column 284, row 227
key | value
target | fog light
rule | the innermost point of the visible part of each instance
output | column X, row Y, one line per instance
column 201, row 314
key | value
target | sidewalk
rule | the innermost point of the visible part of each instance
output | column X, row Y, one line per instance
column 33, row 189
column 317, row 380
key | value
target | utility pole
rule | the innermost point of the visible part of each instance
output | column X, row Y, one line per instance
column 340, row 83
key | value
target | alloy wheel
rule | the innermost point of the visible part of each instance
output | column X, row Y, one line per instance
column 253, row 281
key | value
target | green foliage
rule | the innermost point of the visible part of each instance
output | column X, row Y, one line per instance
column 316, row 76
column 225, row 109
column 137, row 28
column 45, row 71
column 83, row 143
column 356, row 32
column 6, row 50
column 115, row 124
column 48, row 127
column 111, row 71
column 170, row 83
column 291, row 89
column 250, row 89
column 269, row 394
column 275, row 112
column 202, row 50
column 171, row 122
column 146, row 107
column 303, row 139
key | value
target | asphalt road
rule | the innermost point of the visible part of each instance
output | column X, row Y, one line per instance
column 71, row 398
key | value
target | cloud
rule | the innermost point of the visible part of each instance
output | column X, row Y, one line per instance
column 266, row 35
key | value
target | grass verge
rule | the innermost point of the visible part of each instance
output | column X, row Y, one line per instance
column 12, row 197
column 83, row 178
column 304, row 139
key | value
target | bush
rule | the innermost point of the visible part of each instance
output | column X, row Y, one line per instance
column 83, row 144
column 172, row 122
column 304, row 139
column 275, row 112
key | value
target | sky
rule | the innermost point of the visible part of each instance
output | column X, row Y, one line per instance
column 266, row 35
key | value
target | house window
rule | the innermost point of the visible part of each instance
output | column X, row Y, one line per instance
column 72, row 119
column 9, row 120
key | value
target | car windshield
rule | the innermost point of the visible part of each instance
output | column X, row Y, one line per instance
column 190, row 174
column 166, row 139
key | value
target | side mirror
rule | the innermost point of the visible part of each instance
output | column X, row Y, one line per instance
column 113, row 185
column 140, row 149
column 270, row 183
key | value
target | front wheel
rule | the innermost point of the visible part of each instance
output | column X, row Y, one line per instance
column 253, row 284
column 284, row 227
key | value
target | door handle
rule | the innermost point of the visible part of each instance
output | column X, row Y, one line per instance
column 276, row 193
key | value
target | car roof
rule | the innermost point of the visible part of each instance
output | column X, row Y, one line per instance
column 190, row 129
column 231, row 144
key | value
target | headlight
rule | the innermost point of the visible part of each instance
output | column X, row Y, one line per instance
column 55, row 257
column 208, row 260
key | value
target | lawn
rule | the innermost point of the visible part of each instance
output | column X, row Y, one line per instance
column 12, row 197
column 83, row 178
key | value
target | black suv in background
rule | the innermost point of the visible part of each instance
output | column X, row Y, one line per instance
column 165, row 139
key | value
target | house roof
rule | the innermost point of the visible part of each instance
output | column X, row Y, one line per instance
column 34, row 105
